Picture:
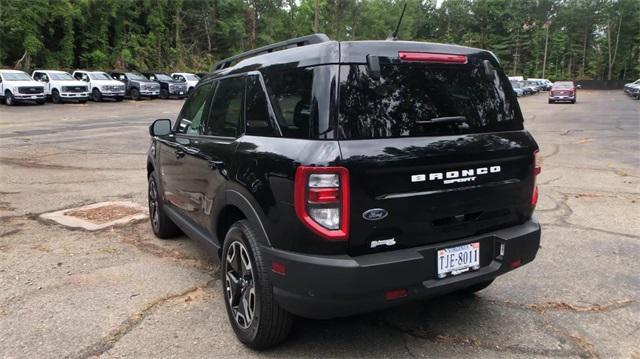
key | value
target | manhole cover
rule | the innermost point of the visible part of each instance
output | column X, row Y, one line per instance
column 99, row 215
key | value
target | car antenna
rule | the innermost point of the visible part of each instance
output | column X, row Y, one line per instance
column 394, row 35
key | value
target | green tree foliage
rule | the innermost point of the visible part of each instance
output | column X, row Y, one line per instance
column 584, row 38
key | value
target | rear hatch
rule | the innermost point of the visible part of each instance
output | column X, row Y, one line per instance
column 435, row 149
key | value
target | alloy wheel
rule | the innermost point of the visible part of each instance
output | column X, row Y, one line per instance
column 240, row 284
column 153, row 204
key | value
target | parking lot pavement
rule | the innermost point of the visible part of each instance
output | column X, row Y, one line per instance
column 120, row 292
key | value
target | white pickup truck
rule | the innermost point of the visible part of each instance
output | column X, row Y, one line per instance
column 101, row 85
column 17, row 86
column 61, row 86
column 189, row 78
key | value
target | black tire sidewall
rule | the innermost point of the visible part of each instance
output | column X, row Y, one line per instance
column 55, row 96
column 135, row 94
column 96, row 95
column 9, row 99
column 164, row 93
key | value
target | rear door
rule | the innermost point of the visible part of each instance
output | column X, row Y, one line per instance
column 435, row 152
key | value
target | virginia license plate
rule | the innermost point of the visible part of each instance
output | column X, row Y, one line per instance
column 460, row 259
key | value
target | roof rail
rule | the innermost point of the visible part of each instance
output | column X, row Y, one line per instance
column 298, row 41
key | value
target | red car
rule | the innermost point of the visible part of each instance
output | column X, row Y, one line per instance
column 563, row 91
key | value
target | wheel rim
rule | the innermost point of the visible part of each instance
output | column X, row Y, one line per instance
column 240, row 285
column 9, row 99
column 96, row 95
column 153, row 204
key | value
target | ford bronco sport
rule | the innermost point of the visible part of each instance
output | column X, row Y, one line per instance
column 336, row 178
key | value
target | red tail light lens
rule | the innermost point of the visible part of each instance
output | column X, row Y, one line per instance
column 433, row 58
column 321, row 200
column 536, row 171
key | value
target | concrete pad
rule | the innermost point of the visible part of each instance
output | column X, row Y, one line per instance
column 65, row 217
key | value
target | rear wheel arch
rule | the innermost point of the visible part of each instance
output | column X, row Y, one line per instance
column 229, row 215
column 250, row 210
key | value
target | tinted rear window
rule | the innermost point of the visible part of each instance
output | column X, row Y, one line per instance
column 406, row 97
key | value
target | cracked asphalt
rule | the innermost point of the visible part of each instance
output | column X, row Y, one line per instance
column 120, row 292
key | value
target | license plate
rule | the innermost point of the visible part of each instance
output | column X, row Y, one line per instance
column 457, row 260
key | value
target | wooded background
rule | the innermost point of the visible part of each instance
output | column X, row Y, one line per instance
column 584, row 39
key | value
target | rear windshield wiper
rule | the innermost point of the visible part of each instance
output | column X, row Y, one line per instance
column 452, row 119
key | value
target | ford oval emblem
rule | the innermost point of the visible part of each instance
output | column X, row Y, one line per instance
column 375, row 214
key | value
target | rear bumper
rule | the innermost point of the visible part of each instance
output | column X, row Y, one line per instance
column 316, row 286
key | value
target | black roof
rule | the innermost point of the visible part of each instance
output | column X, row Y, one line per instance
column 327, row 52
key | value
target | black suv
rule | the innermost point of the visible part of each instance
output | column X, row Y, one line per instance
column 336, row 178
column 168, row 86
column 136, row 85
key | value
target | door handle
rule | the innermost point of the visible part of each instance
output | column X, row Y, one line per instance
column 215, row 164
column 179, row 153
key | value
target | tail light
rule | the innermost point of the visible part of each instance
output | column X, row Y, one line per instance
column 536, row 171
column 321, row 200
column 433, row 57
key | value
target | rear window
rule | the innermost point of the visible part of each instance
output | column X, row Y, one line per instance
column 417, row 99
column 563, row 85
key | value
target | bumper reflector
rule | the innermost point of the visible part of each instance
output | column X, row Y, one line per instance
column 395, row 294
column 516, row 263
column 278, row 267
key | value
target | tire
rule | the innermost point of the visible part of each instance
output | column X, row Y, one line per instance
column 55, row 97
column 268, row 324
column 551, row 101
column 164, row 94
column 96, row 95
column 190, row 91
column 135, row 94
column 474, row 288
column 8, row 98
column 162, row 226
column 573, row 102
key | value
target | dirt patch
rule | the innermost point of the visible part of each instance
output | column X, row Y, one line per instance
column 103, row 214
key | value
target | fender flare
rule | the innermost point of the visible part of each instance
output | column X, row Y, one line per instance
column 251, row 212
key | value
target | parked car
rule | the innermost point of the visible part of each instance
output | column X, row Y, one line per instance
column 633, row 89
column 136, row 85
column 168, row 86
column 336, row 178
column 101, row 85
column 190, row 79
column 60, row 86
column 517, row 88
column 535, row 87
column 563, row 91
column 526, row 89
column 17, row 86
column 544, row 84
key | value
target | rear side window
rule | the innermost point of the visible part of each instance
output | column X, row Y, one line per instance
column 258, row 122
column 191, row 116
column 418, row 99
column 226, row 110
column 290, row 94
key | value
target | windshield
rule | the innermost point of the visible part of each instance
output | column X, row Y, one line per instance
column 99, row 76
column 133, row 76
column 16, row 76
column 416, row 99
column 61, row 76
column 563, row 85
column 163, row 77
column 192, row 77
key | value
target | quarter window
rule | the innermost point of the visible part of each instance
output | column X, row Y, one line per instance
column 191, row 116
column 226, row 110
column 290, row 93
column 258, row 121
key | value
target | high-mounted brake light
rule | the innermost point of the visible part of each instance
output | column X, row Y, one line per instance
column 321, row 200
column 433, row 57
column 536, row 171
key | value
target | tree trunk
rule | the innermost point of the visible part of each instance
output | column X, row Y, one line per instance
column 315, row 17
column 546, row 47
column 584, row 51
column 612, row 59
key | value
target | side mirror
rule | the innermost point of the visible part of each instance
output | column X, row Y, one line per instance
column 578, row 86
column 160, row 127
